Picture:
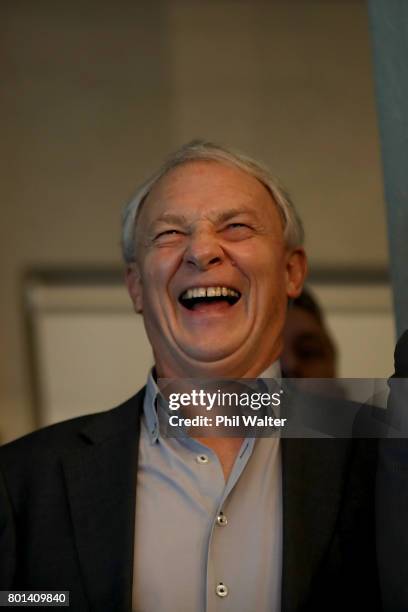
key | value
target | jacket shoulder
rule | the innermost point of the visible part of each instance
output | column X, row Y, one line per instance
column 55, row 440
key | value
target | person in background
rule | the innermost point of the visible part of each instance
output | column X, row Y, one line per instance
column 309, row 350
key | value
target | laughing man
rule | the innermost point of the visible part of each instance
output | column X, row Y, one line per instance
column 127, row 519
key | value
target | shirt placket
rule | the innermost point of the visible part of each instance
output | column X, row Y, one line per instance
column 219, row 588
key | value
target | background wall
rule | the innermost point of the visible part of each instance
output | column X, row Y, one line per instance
column 94, row 94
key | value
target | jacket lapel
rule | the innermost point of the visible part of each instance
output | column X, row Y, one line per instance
column 312, row 476
column 101, row 484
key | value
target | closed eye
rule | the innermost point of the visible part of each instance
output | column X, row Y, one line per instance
column 168, row 233
column 168, row 237
column 237, row 231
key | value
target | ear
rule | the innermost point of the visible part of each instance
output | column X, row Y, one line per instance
column 134, row 286
column 296, row 271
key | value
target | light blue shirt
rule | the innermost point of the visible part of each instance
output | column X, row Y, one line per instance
column 203, row 544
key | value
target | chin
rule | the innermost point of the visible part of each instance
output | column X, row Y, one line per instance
column 209, row 353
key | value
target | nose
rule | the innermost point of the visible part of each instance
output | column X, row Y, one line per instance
column 204, row 250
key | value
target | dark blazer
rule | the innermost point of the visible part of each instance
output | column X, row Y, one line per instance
column 392, row 488
column 67, row 504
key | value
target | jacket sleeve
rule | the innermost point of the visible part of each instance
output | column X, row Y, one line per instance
column 7, row 539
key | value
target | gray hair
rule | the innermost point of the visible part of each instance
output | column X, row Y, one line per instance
column 201, row 150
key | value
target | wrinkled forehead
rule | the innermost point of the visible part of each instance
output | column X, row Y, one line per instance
column 207, row 188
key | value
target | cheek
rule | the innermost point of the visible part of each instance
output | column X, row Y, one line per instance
column 265, row 272
column 270, row 274
column 158, row 270
column 260, row 260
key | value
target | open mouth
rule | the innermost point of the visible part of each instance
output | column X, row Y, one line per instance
column 198, row 297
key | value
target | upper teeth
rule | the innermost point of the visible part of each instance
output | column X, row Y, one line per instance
column 197, row 292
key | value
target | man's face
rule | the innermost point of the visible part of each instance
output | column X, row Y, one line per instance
column 212, row 275
column 308, row 349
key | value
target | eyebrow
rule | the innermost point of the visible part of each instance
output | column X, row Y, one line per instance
column 170, row 218
column 226, row 215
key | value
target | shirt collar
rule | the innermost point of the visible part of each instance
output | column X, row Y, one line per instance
column 149, row 407
column 153, row 392
column 274, row 371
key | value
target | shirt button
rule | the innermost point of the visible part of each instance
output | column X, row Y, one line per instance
column 222, row 519
column 221, row 589
column 202, row 459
